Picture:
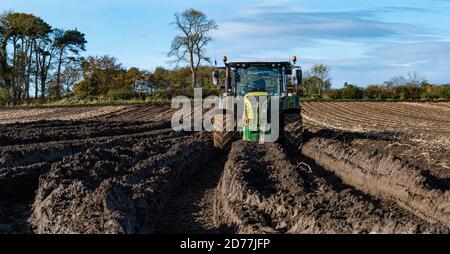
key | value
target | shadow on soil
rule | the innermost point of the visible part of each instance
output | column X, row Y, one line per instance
column 336, row 183
column 190, row 208
column 347, row 137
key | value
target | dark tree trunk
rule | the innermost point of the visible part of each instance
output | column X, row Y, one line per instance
column 193, row 71
column 4, row 72
column 43, row 80
column 43, row 76
column 22, row 74
column 36, row 77
column 30, row 68
column 194, row 79
column 58, row 75
column 13, row 75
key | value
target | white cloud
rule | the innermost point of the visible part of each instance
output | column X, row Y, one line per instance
column 359, row 45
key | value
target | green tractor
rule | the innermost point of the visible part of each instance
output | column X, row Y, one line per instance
column 257, row 83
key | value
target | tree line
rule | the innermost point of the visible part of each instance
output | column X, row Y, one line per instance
column 105, row 77
column 317, row 85
column 36, row 57
column 40, row 62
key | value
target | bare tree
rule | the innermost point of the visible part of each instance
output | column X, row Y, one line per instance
column 415, row 79
column 190, row 45
column 322, row 74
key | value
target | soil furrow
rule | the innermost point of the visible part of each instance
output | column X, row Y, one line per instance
column 191, row 207
column 383, row 175
column 274, row 195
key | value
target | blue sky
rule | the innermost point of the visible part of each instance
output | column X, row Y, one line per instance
column 362, row 41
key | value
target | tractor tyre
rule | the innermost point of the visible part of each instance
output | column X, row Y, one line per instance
column 293, row 130
column 223, row 130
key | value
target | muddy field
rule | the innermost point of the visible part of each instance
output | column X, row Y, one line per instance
column 365, row 167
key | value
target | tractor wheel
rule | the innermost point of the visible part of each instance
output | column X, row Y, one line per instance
column 293, row 130
column 222, row 136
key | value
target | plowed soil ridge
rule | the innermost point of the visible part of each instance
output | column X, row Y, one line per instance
column 365, row 168
column 263, row 191
column 383, row 175
column 46, row 131
column 120, row 189
column 109, row 174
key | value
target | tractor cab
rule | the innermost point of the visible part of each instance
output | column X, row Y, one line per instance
column 274, row 78
column 256, row 77
column 257, row 83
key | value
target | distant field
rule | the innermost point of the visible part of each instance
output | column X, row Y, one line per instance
column 423, row 128
column 22, row 115
column 406, row 117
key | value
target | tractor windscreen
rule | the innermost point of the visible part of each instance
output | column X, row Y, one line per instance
column 257, row 79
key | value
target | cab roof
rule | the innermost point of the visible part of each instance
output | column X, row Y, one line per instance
column 277, row 64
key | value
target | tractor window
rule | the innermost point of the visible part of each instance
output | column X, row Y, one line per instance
column 257, row 79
